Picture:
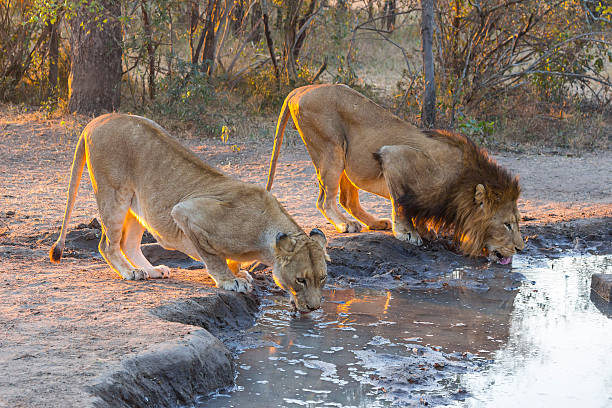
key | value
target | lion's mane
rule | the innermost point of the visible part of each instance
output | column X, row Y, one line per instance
column 454, row 207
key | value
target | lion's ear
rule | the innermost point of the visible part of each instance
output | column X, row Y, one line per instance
column 319, row 237
column 480, row 195
column 284, row 243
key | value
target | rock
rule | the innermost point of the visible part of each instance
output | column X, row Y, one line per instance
column 169, row 375
column 90, row 235
column 601, row 283
column 94, row 224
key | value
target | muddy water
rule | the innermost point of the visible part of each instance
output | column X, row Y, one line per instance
column 542, row 341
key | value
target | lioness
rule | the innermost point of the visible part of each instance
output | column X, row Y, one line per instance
column 144, row 179
column 435, row 179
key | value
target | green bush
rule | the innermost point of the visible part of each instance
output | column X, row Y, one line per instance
column 185, row 95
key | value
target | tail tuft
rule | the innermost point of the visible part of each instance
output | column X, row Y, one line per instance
column 55, row 254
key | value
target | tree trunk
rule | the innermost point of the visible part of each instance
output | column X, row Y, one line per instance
column 255, row 17
column 95, row 73
column 194, row 20
column 389, row 11
column 269, row 42
column 53, row 58
column 428, row 114
column 289, row 29
column 300, row 40
column 146, row 23
column 237, row 17
column 208, row 36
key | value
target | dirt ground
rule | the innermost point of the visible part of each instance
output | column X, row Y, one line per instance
column 62, row 325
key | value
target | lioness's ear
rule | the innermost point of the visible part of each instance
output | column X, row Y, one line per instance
column 284, row 243
column 480, row 195
column 319, row 237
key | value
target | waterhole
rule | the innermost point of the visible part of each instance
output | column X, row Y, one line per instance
column 544, row 341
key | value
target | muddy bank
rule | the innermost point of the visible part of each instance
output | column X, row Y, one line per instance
column 175, row 373
column 172, row 374
column 378, row 260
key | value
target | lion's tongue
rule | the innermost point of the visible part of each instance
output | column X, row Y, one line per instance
column 505, row 261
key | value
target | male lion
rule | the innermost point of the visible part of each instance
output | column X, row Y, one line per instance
column 435, row 179
column 144, row 179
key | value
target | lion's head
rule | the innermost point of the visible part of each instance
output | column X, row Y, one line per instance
column 498, row 229
column 300, row 267
column 479, row 204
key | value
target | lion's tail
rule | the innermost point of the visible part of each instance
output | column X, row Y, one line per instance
column 75, row 178
column 283, row 118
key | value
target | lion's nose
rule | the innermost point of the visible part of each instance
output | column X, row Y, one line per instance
column 312, row 308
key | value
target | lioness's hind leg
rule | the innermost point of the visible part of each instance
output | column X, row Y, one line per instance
column 349, row 199
column 112, row 215
column 197, row 230
column 130, row 245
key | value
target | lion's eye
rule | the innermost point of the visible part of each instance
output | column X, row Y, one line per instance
column 509, row 227
column 301, row 281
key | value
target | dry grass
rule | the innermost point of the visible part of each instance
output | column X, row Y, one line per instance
column 380, row 63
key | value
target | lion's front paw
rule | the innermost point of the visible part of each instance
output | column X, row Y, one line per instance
column 136, row 274
column 160, row 272
column 349, row 226
column 411, row 237
column 236, row 285
column 382, row 224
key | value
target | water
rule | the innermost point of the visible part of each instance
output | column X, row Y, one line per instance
column 559, row 352
column 545, row 344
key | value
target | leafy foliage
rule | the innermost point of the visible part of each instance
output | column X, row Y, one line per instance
column 185, row 95
column 181, row 56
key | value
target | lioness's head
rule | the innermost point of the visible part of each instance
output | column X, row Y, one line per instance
column 300, row 267
column 499, row 218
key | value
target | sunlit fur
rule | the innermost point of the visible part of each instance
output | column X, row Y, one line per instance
column 475, row 227
column 431, row 177
column 146, row 180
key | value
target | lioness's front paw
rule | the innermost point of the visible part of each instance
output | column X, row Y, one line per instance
column 136, row 274
column 349, row 226
column 411, row 237
column 160, row 271
column 236, row 285
column 382, row 224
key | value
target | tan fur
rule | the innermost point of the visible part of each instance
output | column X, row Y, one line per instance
column 144, row 179
column 430, row 177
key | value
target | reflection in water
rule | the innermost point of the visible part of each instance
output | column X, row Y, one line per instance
column 559, row 353
column 317, row 360
column 549, row 344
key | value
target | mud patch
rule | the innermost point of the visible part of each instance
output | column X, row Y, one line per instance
column 222, row 313
column 415, row 379
column 170, row 375
column 378, row 260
